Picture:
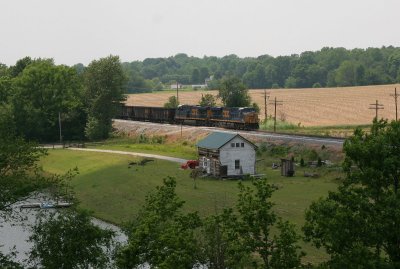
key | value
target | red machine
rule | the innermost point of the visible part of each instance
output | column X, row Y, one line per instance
column 192, row 164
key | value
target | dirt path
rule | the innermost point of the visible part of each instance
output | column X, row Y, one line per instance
column 155, row 156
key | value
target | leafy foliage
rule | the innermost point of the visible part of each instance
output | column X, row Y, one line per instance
column 207, row 100
column 161, row 235
column 358, row 224
column 172, row 102
column 222, row 245
column 104, row 82
column 255, row 223
column 68, row 239
column 233, row 93
column 40, row 92
column 19, row 174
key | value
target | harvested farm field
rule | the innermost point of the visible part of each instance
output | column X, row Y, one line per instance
column 305, row 107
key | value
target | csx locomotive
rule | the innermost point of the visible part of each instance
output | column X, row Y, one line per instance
column 227, row 117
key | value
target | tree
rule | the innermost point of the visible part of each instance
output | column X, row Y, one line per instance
column 358, row 224
column 69, row 240
column 39, row 94
column 204, row 74
column 172, row 102
column 19, row 66
column 346, row 74
column 4, row 70
column 207, row 100
column 162, row 235
column 104, row 82
column 233, row 93
column 222, row 245
column 19, row 173
column 195, row 76
column 256, row 219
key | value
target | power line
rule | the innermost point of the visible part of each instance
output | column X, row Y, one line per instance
column 377, row 107
column 276, row 103
column 395, row 95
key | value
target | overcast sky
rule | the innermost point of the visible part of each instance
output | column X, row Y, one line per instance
column 76, row 31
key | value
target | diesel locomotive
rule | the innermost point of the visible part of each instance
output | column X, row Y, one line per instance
column 245, row 118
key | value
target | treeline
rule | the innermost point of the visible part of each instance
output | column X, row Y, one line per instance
column 328, row 67
column 38, row 96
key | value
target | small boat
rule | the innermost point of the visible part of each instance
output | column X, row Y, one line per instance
column 45, row 205
column 32, row 205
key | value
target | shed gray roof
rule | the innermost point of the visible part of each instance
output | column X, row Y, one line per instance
column 216, row 140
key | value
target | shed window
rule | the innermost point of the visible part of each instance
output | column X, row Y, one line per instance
column 237, row 145
column 232, row 145
column 237, row 164
column 242, row 145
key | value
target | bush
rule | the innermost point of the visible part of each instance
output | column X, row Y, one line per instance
column 317, row 85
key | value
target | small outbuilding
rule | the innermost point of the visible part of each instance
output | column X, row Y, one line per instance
column 227, row 155
column 287, row 168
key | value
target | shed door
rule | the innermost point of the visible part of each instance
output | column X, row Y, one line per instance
column 223, row 170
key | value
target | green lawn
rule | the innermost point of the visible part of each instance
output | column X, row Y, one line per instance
column 115, row 192
column 333, row 131
column 179, row 150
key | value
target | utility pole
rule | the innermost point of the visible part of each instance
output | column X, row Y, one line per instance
column 376, row 106
column 266, row 97
column 177, row 95
column 395, row 99
column 59, row 126
column 275, row 103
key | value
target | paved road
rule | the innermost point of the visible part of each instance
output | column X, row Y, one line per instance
column 270, row 136
column 171, row 159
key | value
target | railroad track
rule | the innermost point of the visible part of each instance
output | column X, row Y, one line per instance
column 321, row 140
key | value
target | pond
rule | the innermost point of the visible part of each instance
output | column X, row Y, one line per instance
column 14, row 232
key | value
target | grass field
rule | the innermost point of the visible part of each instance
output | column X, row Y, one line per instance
column 177, row 149
column 115, row 192
column 304, row 107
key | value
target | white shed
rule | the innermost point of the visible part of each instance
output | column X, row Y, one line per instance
column 227, row 154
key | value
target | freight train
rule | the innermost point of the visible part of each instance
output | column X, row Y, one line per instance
column 245, row 118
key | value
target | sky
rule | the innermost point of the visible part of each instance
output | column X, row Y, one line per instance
column 79, row 31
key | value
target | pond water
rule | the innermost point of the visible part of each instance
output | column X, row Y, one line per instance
column 14, row 232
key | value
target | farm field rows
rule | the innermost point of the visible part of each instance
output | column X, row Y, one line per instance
column 305, row 107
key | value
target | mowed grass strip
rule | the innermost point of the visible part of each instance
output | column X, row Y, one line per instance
column 176, row 149
column 115, row 193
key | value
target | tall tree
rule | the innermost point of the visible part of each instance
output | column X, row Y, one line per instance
column 104, row 82
column 40, row 93
column 19, row 173
column 162, row 235
column 69, row 240
column 19, row 66
column 256, row 218
column 233, row 93
column 358, row 224
column 195, row 76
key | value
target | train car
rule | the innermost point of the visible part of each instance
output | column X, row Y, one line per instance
column 234, row 117
column 144, row 113
column 193, row 115
column 226, row 117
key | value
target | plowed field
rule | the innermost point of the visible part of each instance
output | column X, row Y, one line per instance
column 309, row 107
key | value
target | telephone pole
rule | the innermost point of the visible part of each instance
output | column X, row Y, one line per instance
column 395, row 99
column 177, row 96
column 376, row 106
column 266, row 97
column 276, row 103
